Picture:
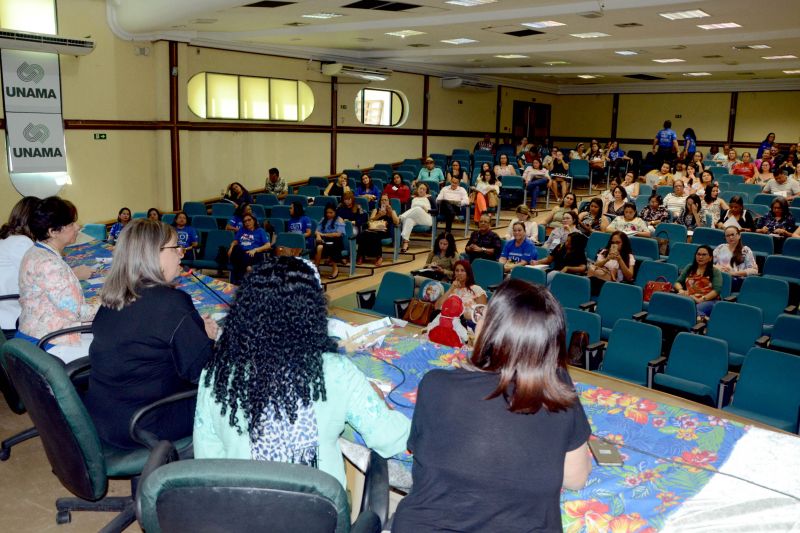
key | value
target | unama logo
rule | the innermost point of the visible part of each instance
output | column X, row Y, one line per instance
column 27, row 73
column 30, row 72
column 36, row 133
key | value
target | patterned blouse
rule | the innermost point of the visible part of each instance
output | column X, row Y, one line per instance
column 50, row 296
column 658, row 215
column 771, row 223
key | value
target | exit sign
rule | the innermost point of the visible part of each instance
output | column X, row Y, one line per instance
column 100, row 136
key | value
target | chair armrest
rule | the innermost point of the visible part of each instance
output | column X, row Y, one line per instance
column 376, row 487
column 9, row 296
column 762, row 341
column 590, row 306
column 85, row 328
column 163, row 453
column 641, row 316
column 700, row 328
column 790, row 309
column 400, row 307
column 594, row 355
column 78, row 365
column 725, row 389
column 493, row 288
column 366, row 299
column 730, row 298
column 656, row 366
column 148, row 438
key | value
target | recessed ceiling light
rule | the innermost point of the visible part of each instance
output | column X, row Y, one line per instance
column 543, row 24
column 588, row 76
column 511, row 56
column 759, row 46
column 779, row 57
column 791, row 71
column 697, row 74
column 670, row 60
column 680, row 15
column 590, row 35
column 720, row 26
column 322, row 15
column 626, row 53
column 469, row 3
column 405, row 33
column 553, row 63
column 460, row 40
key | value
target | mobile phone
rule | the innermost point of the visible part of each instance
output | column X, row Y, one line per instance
column 614, row 248
column 605, row 453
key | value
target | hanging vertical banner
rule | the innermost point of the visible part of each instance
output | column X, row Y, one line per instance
column 34, row 126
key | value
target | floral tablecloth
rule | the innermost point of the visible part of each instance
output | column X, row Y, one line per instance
column 670, row 453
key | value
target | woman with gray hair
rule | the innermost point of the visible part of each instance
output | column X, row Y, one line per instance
column 149, row 341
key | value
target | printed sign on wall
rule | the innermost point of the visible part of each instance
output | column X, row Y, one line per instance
column 35, row 142
column 31, row 82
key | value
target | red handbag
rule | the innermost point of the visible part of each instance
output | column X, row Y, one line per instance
column 660, row 284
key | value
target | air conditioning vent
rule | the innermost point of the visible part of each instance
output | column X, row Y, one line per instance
column 469, row 85
column 37, row 42
column 644, row 77
column 364, row 73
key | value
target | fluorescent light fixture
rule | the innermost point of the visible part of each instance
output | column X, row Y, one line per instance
column 460, row 40
column 670, row 60
column 759, row 46
column 469, row 3
column 511, row 56
column 588, row 76
column 590, row 35
column 681, row 15
column 553, row 63
column 405, row 33
column 720, row 26
column 373, row 77
column 697, row 74
column 791, row 71
column 543, row 24
column 626, row 53
column 322, row 16
column 779, row 57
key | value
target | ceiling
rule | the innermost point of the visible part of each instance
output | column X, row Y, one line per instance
column 358, row 36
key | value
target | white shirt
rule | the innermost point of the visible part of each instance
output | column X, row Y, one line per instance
column 12, row 249
column 675, row 204
column 458, row 195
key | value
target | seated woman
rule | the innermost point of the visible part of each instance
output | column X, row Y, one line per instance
column 123, row 217
column 691, row 181
column 616, row 261
column 523, row 215
column 592, row 219
column 619, row 201
column 450, row 201
column 734, row 258
column 569, row 223
column 277, row 390
column 569, row 203
column 50, row 293
column 441, row 260
column 712, row 204
column 485, row 194
column 464, row 286
column 763, row 175
column 597, row 160
column 300, row 223
column 154, row 214
column 348, row 209
column 367, row 189
column 736, row 215
column 568, row 257
column 654, row 213
column 381, row 225
column 337, row 187
column 237, row 194
column 458, row 172
column 630, row 185
column 700, row 281
column 398, row 189
column 662, row 176
column 187, row 236
column 235, row 223
column 536, row 177
column 503, row 168
column 629, row 223
column 779, row 222
column 15, row 239
column 690, row 215
column 518, row 385
column 248, row 248
column 149, row 341
column 519, row 251
column 416, row 215
column 330, row 240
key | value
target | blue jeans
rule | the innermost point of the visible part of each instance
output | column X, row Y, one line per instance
column 533, row 189
column 704, row 308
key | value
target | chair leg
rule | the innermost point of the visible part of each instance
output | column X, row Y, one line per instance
column 29, row 433
column 123, row 505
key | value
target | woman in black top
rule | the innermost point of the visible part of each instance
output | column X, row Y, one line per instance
column 237, row 194
column 736, row 215
column 502, row 467
column 149, row 342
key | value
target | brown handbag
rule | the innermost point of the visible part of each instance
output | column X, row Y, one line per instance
column 660, row 284
column 418, row 312
column 287, row 251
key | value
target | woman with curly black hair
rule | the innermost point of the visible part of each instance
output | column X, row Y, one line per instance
column 276, row 390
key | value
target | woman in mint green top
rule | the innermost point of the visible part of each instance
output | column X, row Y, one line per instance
column 276, row 390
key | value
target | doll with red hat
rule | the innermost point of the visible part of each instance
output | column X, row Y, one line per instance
column 447, row 328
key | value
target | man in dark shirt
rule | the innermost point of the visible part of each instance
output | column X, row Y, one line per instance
column 486, row 144
column 484, row 243
column 665, row 144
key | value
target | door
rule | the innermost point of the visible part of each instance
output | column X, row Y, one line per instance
column 530, row 120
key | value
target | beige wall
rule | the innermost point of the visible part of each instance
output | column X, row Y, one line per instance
column 760, row 113
column 642, row 115
column 360, row 150
column 445, row 145
column 585, row 116
column 458, row 109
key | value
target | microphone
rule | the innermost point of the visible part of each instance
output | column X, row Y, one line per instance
column 212, row 291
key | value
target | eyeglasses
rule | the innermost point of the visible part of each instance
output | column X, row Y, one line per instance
column 180, row 250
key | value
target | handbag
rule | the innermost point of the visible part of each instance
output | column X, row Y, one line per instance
column 577, row 347
column 288, row 252
column 660, row 284
column 377, row 225
column 601, row 273
column 418, row 312
column 663, row 244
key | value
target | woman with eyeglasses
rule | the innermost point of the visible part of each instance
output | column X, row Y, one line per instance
column 149, row 341
column 735, row 258
column 700, row 281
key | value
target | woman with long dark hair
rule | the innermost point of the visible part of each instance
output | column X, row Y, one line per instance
column 237, row 194
column 330, row 240
column 735, row 258
column 15, row 239
column 441, row 260
column 700, row 281
column 616, row 261
column 247, row 248
column 766, row 144
column 525, row 435
column 689, row 145
column 123, row 217
column 593, row 219
column 464, row 287
column 275, row 388
column 690, row 215
column 736, row 215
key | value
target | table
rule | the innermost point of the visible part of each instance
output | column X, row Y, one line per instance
column 208, row 294
column 680, row 457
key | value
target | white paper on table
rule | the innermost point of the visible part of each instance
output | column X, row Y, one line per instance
column 96, row 281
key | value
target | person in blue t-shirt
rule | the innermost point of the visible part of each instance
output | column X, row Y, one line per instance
column 300, row 223
column 247, row 248
column 665, row 144
column 187, row 236
column 123, row 217
column 520, row 251
column 235, row 223
column 766, row 144
column 689, row 145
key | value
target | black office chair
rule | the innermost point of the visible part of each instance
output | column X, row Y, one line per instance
column 82, row 463
column 9, row 333
column 212, row 495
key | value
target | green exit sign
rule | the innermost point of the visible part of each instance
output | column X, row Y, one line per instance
column 100, row 136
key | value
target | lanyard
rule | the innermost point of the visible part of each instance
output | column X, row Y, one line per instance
column 45, row 247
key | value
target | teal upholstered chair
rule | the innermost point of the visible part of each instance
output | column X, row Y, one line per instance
column 616, row 301
column 95, row 231
column 785, row 335
column 739, row 325
column 769, row 295
column 570, row 290
column 487, row 273
column 529, row 274
column 394, row 286
column 631, row 347
column 588, row 323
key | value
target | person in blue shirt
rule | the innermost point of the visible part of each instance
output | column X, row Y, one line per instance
column 689, row 145
column 300, row 223
column 187, row 236
column 367, row 189
column 430, row 172
column 665, row 144
column 247, row 248
column 766, row 144
column 520, row 251
column 123, row 217
column 235, row 223
column 330, row 240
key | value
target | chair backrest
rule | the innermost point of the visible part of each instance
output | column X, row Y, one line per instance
column 681, row 254
column 222, row 209
column 407, row 176
column 353, row 173
column 364, row 203
column 290, row 198
column 749, row 188
column 578, row 168
column 217, row 238
column 786, row 267
column 513, row 182
column 768, row 386
column 378, row 175
column 570, row 290
column 759, row 243
column 631, row 346
column 319, row 181
column 204, row 222
column 280, row 211
column 710, row 236
column 290, row 240
column 651, row 270
column 786, row 334
column 315, row 212
column 67, row 432
column 267, row 199
column 325, row 200
column 487, row 273
column 529, row 274
column 769, row 295
column 644, row 248
column 258, row 211
column 763, row 198
column 278, row 224
column 698, row 358
column 578, row 320
column 394, row 286
column 737, row 324
column 718, row 171
column 385, row 167
column 663, row 190
column 236, row 495
column 791, row 247
column 95, row 231
column 167, row 218
column 194, row 208
column 596, row 242
column 618, row 300
column 641, row 202
column 139, row 214
column 309, row 190
column 645, row 191
column 676, row 233
column 672, row 309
